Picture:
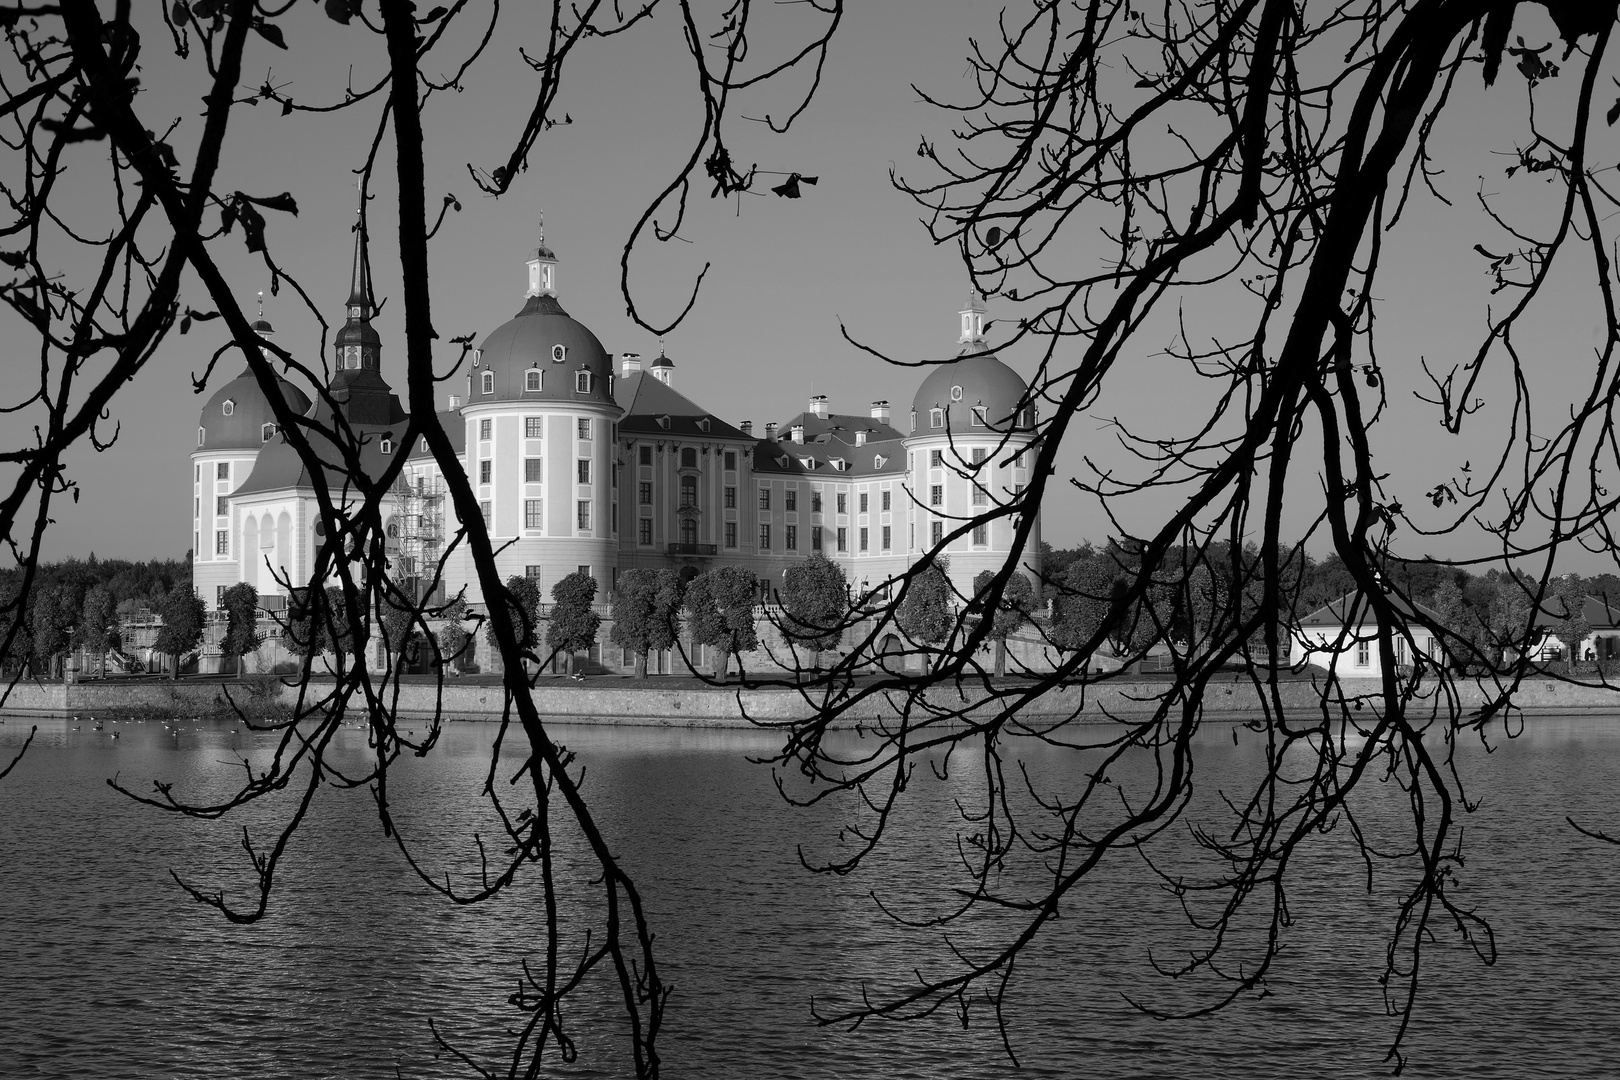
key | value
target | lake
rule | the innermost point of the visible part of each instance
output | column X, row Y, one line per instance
column 108, row 970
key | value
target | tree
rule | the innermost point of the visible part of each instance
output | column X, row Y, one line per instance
column 1010, row 614
column 720, row 607
column 574, row 621
column 241, row 604
column 456, row 646
column 183, row 616
column 647, row 612
column 97, row 626
column 1083, row 603
column 53, row 615
column 1566, row 604
column 815, row 604
column 522, row 596
column 925, row 611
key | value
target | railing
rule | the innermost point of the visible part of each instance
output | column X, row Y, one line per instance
column 692, row 549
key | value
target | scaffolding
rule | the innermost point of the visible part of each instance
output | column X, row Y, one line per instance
column 420, row 501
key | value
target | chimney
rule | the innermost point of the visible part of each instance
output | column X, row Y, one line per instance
column 455, row 402
column 770, row 432
column 818, row 406
column 860, row 437
column 880, row 411
column 629, row 364
column 798, row 433
column 747, row 427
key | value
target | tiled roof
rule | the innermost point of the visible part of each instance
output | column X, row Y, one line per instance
column 652, row 407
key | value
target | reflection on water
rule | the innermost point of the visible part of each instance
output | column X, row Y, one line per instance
column 109, row 972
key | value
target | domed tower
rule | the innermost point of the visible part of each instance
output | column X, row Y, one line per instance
column 234, row 426
column 541, row 427
column 971, row 428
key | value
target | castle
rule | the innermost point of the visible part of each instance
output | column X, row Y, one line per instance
column 586, row 462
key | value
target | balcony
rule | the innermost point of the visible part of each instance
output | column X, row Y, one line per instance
column 692, row 549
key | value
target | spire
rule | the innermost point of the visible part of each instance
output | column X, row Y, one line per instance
column 360, row 279
column 260, row 325
column 542, row 267
column 357, row 342
column 972, row 335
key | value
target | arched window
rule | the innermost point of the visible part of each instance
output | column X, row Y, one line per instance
column 688, row 458
column 936, row 418
column 489, row 382
column 230, row 406
column 393, row 530
column 387, row 444
column 582, row 379
column 267, row 433
column 531, row 381
column 978, row 416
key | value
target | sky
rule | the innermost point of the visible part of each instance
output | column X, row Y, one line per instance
column 785, row 275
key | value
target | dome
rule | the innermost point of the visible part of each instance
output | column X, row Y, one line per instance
column 236, row 414
column 964, row 384
column 544, row 338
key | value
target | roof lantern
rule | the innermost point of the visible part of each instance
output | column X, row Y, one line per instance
column 663, row 368
column 542, row 267
column 356, row 344
column 972, row 316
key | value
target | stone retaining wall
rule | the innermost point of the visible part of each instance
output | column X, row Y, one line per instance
column 615, row 702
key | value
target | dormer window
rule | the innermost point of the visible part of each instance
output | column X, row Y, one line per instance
column 267, row 433
column 879, row 461
column 703, row 424
column 956, row 393
column 230, row 407
column 489, row 382
column 978, row 416
column 783, row 460
column 531, row 380
column 936, row 418
column 559, row 353
column 200, row 433
column 582, row 378
column 387, row 444
column 838, row 463
column 478, row 357
column 663, row 422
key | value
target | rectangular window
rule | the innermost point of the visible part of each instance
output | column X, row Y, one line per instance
column 981, row 497
column 196, row 506
column 731, row 534
column 615, row 510
column 532, row 572
column 220, row 508
column 936, row 418
column 791, row 538
column 815, row 538
column 584, row 427
column 731, row 459
column 484, row 468
column 764, row 537
column 485, row 429
column 1018, row 460
column 885, row 502
column 864, row 533
column 584, row 568
column 887, row 537
column 484, row 509
column 936, row 532
column 764, row 498
column 532, row 518
column 534, row 428
column 815, row 502
column 584, row 513
column 978, row 416
column 532, row 471
column 219, row 595
column 646, row 455
column 1363, row 654
column 981, row 535
column 936, row 494
column 863, row 502
column 978, row 455
column 936, row 459
column 644, row 531
column 791, row 499
column 731, row 498
column 222, row 542
column 843, row 538
column 644, row 493
column 223, row 471
column 584, row 470
column 843, row 505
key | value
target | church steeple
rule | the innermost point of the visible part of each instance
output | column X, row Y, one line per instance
column 972, row 334
column 358, row 345
column 542, row 268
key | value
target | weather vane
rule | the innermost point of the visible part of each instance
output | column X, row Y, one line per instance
column 261, row 303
